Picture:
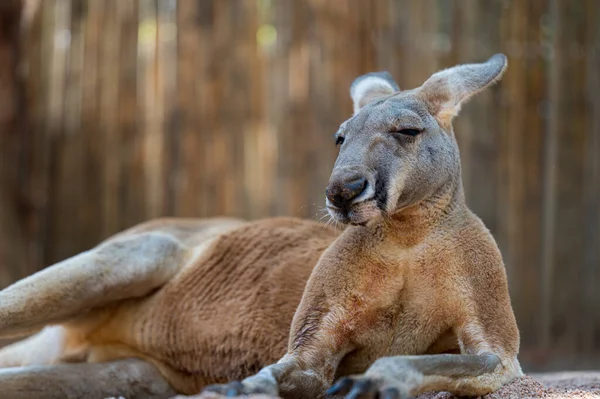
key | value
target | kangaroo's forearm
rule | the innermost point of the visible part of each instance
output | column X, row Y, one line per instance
column 446, row 365
column 406, row 376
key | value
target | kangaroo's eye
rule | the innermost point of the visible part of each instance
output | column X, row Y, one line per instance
column 339, row 140
column 408, row 132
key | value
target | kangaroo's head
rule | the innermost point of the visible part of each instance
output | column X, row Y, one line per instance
column 398, row 149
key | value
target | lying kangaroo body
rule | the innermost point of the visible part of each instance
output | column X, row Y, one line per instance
column 411, row 297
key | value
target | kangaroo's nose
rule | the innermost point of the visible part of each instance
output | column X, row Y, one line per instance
column 342, row 194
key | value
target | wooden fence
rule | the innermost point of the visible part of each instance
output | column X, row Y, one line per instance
column 142, row 108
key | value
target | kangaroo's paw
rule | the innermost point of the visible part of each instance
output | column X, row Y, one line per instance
column 364, row 387
column 236, row 388
column 214, row 395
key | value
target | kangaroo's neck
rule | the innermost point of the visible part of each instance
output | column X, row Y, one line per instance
column 413, row 224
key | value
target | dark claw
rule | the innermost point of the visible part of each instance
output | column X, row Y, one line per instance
column 341, row 387
column 217, row 388
column 362, row 389
column 229, row 390
column 234, row 389
column 389, row 393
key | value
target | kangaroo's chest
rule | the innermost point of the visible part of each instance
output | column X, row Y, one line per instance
column 410, row 317
column 409, row 332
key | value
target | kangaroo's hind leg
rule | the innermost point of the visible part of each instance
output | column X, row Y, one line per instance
column 71, row 299
column 130, row 266
column 129, row 378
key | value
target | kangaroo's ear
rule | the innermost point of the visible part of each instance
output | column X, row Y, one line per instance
column 371, row 86
column 446, row 90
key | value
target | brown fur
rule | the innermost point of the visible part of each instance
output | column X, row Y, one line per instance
column 239, row 293
column 415, row 276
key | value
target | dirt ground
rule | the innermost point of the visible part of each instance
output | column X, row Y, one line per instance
column 574, row 385
column 571, row 385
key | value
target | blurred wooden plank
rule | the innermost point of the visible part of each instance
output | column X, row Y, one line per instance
column 52, row 78
column 90, row 213
column 239, row 125
column 421, row 34
column 235, row 129
column 150, row 108
column 534, row 129
column 68, row 175
column 206, row 85
column 277, row 112
column 29, row 54
column 398, row 46
column 214, row 66
column 255, row 146
column 477, row 127
column 189, row 183
column 38, row 151
column 262, row 151
column 111, row 151
column 549, row 196
column 131, row 179
column 13, row 240
column 564, row 249
column 511, row 191
column 312, row 66
column 73, row 38
column 591, row 196
column 224, row 144
column 166, row 58
column 294, row 181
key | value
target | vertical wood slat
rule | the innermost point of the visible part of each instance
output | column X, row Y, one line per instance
column 298, row 79
column 238, row 96
column 534, row 127
column 91, row 206
column 188, row 181
column 195, row 117
column 131, row 180
column 511, row 158
column 48, row 130
column 110, row 152
column 569, row 116
column 150, row 106
column 279, row 17
column 66, row 179
column 549, row 202
column 261, row 152
column 221, row 157
column 255, row 147
column 279, row 88
column 166, row 45
column 477, row 131
column 589, row 304
column 13, row 235
column 205, row 86
column 31, row 44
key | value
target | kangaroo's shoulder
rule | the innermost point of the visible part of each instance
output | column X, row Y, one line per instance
column 463, row 249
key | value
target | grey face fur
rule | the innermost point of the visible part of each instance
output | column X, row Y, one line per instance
column 398, row 149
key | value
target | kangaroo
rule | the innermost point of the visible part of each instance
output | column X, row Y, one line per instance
column 410, row 297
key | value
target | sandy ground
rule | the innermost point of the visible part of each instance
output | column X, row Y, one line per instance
column 548, row 386
column 572, row 385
